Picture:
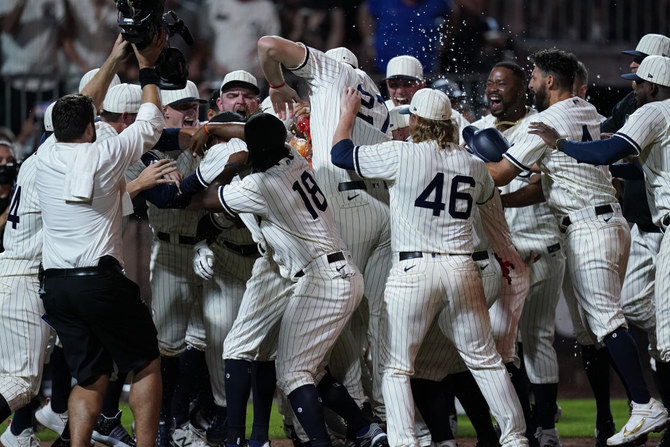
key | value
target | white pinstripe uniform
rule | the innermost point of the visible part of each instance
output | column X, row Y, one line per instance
column 440, row 283
column 360, row 207
column 534, row 229
column 23, row 333
column 175, row 286
column 648, row 129
column 596, row 237
column 301, row 235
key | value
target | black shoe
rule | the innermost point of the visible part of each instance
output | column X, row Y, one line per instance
column 217, row 432
column 665, row 438
column 110, row 431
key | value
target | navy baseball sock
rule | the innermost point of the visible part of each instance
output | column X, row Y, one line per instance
column 336, row 397
column 192, row 370
column 169, row 373
column 432, row 403
column 238, row 387
column 308, row 409
column 5, row 411
column 623, row 352
column 597, row 369
column 110, row 403
column 521, row 387
column 545, row 403
column 464, row 386
column 663, row 381
column 61, row 381
column 23, row 418
column 263, row 383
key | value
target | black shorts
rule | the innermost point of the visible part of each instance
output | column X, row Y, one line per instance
column 100, row 320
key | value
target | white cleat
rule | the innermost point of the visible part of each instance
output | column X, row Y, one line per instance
column 185, row 437
column 50, row 419
column 25, row 439
column 644, row 419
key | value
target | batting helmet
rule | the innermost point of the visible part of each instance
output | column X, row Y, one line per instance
column 488, row 144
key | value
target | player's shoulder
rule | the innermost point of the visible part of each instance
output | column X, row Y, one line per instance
column 485, row 122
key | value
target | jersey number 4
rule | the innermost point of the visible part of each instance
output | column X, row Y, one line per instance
column 13, row 215
column 436, row 186
column 317, row 197
column 367, row 103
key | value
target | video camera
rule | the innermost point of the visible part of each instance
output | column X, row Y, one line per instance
column 8, row 173
column 140, row 20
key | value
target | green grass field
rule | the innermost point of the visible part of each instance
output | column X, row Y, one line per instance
column 577, row 421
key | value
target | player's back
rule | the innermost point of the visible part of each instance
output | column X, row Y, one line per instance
column 296, row 221
column 433, row 196
column 23, row 233
column 327, row 79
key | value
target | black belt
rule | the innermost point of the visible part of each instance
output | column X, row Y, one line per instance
column 480, row 255
column 348, row 186
column 553, row 248
column 404, row 255
column 601, row 209
column 185, row 240
column 244, row 250
column 648, row 227
column 106, row 265
column 333, row 257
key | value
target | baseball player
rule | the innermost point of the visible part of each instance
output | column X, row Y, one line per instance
column 24, row 333
column 432, row 238
column 294, row 218
column 596, row 237
column 534, row 232
column 175, row 286
column 360, row 206
column 646, row 136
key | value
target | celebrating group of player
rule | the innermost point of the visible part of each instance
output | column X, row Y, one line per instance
column 268, row 271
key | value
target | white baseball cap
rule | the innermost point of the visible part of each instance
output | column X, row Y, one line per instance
column 651, row 44
column 397, row 119
column 186, row 94
column 654, row 69
column 89, row 75
column 48, row 119
column 404, row 67
column 343, row 54
column 237, row 78
column 123, row 98
column 430, row 104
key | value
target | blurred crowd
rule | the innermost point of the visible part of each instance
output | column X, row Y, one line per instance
column 48, row 44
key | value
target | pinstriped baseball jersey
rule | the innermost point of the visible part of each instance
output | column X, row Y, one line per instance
column 327, row 78
column 216, row 158
column 171, row 221
column 430, row 183
column 104, row 130
column 648, row 129
column 23, row 233
column 294, row 216
column 568, row 186
column 532, row 226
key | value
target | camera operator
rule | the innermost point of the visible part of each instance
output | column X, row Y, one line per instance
column 8, row 173
column 97, row 311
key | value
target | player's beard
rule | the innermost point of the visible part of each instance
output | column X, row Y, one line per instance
column 541, row 98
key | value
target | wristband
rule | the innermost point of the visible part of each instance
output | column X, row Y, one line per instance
column 559, row 141
column 149, row 76
column 204, row 129
column 278, row 86
column 234, row 165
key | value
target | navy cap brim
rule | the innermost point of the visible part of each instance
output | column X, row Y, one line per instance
column 183, row 100
column 468, row 132
column 404, row 111
column 232, row 84
column 632, row 77
column 407, row 78
column 634, row 53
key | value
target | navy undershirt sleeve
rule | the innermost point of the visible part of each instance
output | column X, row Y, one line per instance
column 601, row 152
column 342, row 154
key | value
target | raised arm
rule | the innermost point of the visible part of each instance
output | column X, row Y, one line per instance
column 97, row 87
column 342, row 152
column 273, row 52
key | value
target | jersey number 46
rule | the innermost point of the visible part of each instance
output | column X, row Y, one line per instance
column 457, row 210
